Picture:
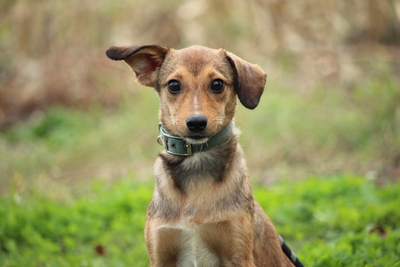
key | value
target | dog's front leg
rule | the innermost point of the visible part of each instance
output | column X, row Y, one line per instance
column 242, row 230
column 231, row 241
column 164, row 244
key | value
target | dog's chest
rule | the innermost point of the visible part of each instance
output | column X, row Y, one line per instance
column 194, row 245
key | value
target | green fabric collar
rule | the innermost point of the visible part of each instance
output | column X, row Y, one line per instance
column 177, row 145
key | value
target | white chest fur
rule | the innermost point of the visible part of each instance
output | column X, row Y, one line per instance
column 194, row 252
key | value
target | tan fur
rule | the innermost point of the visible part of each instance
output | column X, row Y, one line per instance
column 202, row 212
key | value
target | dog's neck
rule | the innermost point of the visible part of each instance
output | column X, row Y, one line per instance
column 179, row 146
column 214, row 165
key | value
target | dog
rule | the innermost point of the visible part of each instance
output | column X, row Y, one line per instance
column 202, row 212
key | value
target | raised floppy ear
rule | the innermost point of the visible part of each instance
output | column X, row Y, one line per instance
column 249, row 81
column 144, row 60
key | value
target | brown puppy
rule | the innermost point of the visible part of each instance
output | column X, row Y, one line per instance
column 202, row 212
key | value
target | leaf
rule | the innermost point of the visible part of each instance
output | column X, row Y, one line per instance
column 100, row 250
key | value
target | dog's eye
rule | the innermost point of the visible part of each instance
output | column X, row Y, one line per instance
column 217, row 86
column 174, row 87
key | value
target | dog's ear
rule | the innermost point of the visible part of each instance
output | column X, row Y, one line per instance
column 249, row 81
column 144, row 60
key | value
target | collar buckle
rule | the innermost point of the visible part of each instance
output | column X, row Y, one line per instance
column 174, row 145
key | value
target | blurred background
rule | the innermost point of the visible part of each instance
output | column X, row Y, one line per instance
column 69, row 114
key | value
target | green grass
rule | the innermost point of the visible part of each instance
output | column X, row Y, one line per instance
column 38, row 231
column 330, row 220
column 326, row 221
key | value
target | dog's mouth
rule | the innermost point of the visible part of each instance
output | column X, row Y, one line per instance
column 196, row 139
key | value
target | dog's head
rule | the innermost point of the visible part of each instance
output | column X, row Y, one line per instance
column 197, row 85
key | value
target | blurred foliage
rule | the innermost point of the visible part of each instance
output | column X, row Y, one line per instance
column 319, row 219
column 53, row 51
column 328, row 131
column 294, row 136
column 331, row 104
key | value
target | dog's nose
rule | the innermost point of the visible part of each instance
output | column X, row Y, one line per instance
column 196, row 123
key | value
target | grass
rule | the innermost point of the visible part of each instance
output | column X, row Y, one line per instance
column 320, row 219
column 323, row 217
column 104, row 228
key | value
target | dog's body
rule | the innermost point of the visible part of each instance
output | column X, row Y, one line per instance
column 202, row 212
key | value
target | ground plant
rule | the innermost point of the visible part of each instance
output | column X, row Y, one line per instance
column 327, row 221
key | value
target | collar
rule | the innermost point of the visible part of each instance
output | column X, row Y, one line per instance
column 177, row 145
